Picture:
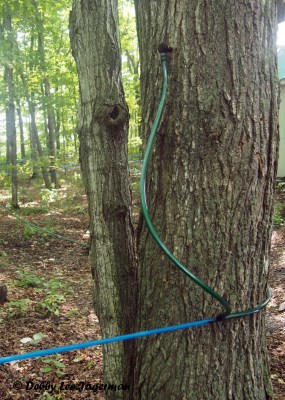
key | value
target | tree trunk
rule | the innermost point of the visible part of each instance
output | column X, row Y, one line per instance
column 58, row 123
column 8, row 147
column 103, row 127
column 48, row 98
column 52, row 134
column 11, row 134
column 210, row 194
column 21, row 127
column 37, row 143
column 74, row 135
column 33, row 146
column 45, row 117
column 10, row 106
column 36, row 146
column 210, row 189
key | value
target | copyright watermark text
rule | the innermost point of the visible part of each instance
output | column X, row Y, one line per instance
column 51, row 386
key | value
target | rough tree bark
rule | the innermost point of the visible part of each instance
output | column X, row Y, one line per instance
column 210, row 190
column 103, row 129
column 10, row 105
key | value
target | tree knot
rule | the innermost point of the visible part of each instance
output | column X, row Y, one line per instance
column 116, row 116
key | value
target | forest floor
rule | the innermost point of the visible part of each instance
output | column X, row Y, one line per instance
column 50, row 296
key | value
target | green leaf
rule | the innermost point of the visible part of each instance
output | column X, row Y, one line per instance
column 58, row 364
column 38, row 336
column 47, row 360
column 60, row 373
column 46, row 369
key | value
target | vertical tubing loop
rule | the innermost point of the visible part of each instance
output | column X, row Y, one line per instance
column 143, row 199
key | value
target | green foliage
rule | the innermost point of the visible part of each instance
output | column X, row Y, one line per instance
column 33, row 65
column 5, row 176
column 30, row 230
column 26, row 280
column 73, row 312
column 49, row 196
column 281, row 185
column 134, row 145
column 55, row 284
column 69, row 205
column 130, row 69
column 279, row 215
column 54, row 365
column 26, row 211
column 51, row 303
column 27, row 168
column 54, row 291
column 76, row 179
column 18, row 308
column 89, row 365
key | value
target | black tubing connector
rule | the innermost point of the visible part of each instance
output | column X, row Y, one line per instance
column 221, row 316
column 163, row 48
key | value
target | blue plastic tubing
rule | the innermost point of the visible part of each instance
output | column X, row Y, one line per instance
column 131, row 336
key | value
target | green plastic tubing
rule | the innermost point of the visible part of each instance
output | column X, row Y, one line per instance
column 227, row 309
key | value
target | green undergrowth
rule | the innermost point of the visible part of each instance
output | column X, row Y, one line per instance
column 27, row 211
column 279, row 205
column 279, row 215
column 52, row 294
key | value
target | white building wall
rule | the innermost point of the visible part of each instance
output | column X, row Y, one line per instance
column 281, row 162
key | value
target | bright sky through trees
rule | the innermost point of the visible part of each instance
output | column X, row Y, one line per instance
column 281, row 34
column 280, row 42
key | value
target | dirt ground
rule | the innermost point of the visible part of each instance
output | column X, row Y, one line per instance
column 65, row 263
